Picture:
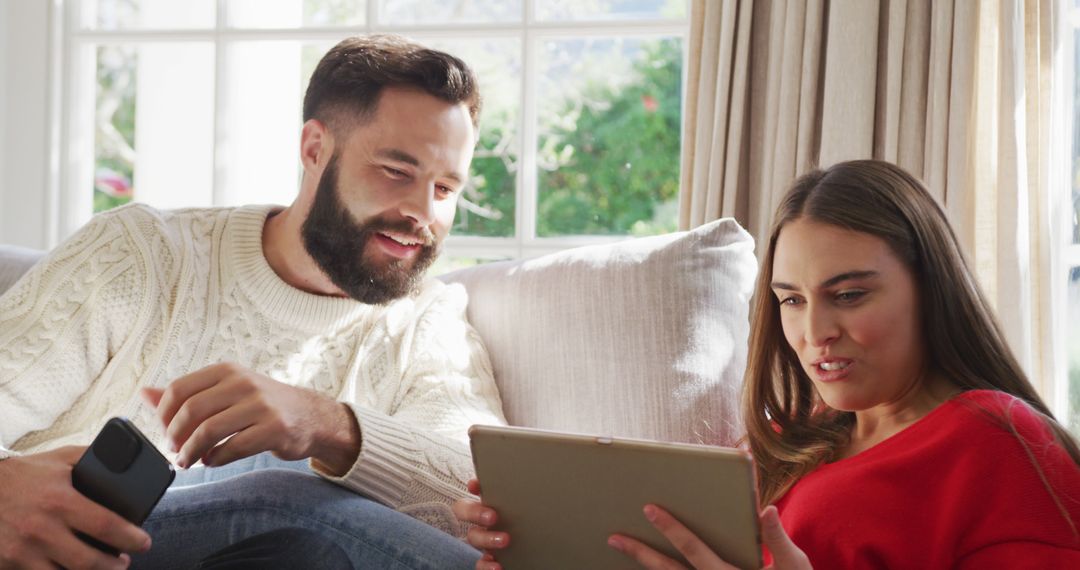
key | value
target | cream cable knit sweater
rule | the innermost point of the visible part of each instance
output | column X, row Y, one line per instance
column 139, row 297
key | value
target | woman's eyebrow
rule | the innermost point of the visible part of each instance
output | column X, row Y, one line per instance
column 847, row 275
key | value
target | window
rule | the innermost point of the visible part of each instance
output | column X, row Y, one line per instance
column 1071, row 251
column 197, row 103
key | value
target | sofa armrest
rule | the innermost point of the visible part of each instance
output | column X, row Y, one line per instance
column 14, row 262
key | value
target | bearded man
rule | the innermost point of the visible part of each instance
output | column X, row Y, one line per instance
column 298, row 354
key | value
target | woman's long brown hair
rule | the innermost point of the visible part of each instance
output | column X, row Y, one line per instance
column 789, row 430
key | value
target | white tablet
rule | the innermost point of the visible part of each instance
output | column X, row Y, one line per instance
column 560, row 496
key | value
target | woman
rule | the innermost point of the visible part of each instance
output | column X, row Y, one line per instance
column 889, row 422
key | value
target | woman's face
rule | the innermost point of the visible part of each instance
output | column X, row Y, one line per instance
column 849, row 309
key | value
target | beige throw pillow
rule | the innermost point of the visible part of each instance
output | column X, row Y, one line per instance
column 642, row 338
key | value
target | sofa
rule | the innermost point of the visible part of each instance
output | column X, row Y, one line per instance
column 643, row 338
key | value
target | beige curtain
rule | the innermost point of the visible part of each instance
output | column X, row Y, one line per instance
column 965, row 94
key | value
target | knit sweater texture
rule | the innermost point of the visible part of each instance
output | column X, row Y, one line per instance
column 140, row 297
column 957, row 489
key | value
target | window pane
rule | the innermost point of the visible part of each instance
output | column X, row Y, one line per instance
column 154, row 125
column 114, row 127
column 264, row 92
column 152, row 14
column 1073, row 348
column 296, row 13
column 408, row 12
column 594, row 10
column 1076, row 142
column 608, row 147
column 487, row 205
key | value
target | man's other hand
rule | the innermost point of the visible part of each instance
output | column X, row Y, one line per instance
column 40, row 511
column 226, row 412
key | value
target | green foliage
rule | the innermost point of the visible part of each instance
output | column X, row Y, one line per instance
column 489, row 197
column 620, row 161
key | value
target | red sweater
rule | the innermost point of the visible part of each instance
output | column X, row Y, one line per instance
column 954, row 490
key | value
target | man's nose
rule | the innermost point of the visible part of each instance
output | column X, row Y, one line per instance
column 419, row 205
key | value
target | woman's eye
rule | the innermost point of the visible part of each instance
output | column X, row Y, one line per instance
column 849, row 296
column 445, row 189
column 790, row 301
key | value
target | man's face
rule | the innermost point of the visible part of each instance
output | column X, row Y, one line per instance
column 387, row 197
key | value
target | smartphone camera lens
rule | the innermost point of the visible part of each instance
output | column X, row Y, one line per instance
column 116, row 448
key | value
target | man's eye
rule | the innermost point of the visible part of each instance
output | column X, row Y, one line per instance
column 393, row 172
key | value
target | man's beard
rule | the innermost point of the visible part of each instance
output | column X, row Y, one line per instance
column 336, row 242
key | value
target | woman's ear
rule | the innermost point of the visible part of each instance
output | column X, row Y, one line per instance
column 316, row 147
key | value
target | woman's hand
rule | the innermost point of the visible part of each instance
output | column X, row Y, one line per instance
column 474, row 512
column 786, row 556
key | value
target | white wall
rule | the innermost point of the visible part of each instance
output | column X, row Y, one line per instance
column 24, row 106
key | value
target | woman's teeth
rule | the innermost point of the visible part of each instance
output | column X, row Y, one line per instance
column 834, row 365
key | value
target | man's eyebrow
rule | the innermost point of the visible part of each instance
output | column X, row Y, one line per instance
column 398, row 155
column 402, row 156
column 846, row 276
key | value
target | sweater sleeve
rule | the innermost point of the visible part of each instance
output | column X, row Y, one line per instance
column 1021, row 492
column 61, row 324
column 415, row 457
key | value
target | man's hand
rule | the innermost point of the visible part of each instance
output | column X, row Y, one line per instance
column 40, row 512
column 226, row 412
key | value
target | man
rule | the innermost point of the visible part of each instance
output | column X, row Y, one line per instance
column 305, row 332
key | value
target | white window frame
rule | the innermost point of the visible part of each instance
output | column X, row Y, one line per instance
column 73, row 167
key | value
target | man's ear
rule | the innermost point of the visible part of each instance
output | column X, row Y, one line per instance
column 316, row 147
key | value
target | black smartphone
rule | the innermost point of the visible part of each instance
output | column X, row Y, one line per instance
column 124, row 472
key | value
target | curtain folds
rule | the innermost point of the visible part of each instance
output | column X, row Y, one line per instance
column 965, row 94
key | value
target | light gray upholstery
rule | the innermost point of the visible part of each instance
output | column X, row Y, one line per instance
column 14, row 261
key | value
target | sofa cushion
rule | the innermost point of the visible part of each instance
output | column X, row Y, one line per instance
column 641, row 338
column 14, row 261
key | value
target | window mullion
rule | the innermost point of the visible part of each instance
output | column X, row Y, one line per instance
column 527, row 174
column 220, row 105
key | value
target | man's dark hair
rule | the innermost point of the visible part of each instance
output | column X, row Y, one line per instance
column 346, row 84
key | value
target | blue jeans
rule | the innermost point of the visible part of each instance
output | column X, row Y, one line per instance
column 208, row 509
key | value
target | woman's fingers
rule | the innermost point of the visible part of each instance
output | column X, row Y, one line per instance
column 487, row 562
column 487, row 539
column 785, row 554
column 696, row 552
column 643, row 554
column 474, row 512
